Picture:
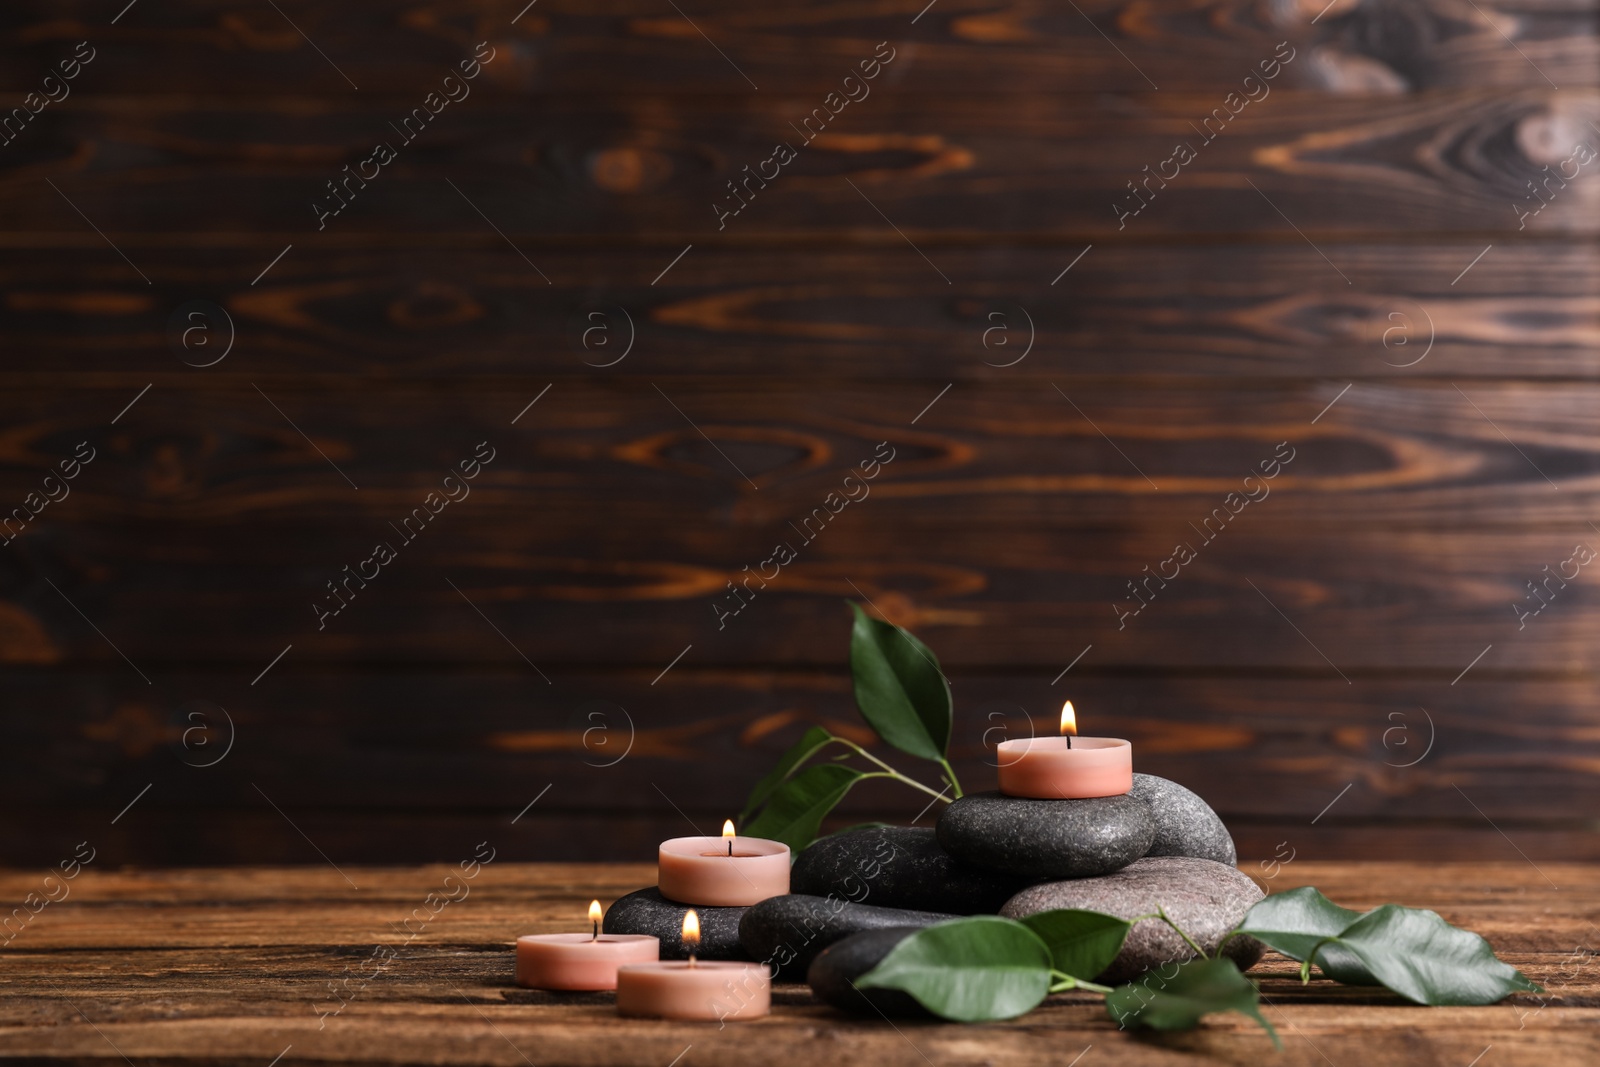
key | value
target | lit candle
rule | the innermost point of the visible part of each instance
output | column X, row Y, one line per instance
column 581, row 961
column 693, row 989
column 726, row 872
column 1065, row 767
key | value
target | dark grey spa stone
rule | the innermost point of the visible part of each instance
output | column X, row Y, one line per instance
column 1206, row 898
column 898, row 867
column 788, row 932
column 1043, row 839
column 1185, row 824
column 648, row 912
column 833, row 973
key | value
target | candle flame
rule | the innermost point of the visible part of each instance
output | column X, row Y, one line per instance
column 595, row 914
column 727, row 828
column 691, row 930
column 1069, row 720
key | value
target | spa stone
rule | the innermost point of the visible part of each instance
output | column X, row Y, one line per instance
column 898, row 867
column 1185, row 824
column 789, row 931
column 648, row 912
column 1047, row 839
column 1206, row 898
column 833, row 973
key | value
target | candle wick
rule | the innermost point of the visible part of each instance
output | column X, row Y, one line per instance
column 596, row 936
column 1069, row 740
column 691, row 959
column 730, row 846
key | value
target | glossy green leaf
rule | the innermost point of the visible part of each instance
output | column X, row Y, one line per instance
column 1417, row 954
column 1176, row 996
column 1294, row 921
column 1298, row 920
column 796, row 808
column 899, row 687
column 814, row 741
column 970, row 970
column 1081, row 943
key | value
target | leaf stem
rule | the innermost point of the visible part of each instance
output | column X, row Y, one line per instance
column 1064, row 981
column 950, row 773
column 1305, row 964
column 1161, row 913
column 892, row 773
column 1164, row 917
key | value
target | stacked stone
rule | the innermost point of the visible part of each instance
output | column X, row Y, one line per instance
column 856, row 894
column 648, row 912
column 1158, row 846
column 867, row 879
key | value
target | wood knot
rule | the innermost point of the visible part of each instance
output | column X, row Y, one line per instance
column 23, row 638
column 431, row 305
column 764, row 454
column 627, row 169
column 1548, row 137
column 260, row 32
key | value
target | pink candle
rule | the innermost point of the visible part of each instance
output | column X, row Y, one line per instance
column 1065, row 768
column 581, row 961
column 690, row 989
column 722, row 872
column 679, row 989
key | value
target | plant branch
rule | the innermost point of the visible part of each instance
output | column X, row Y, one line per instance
column 1064, row 981
column 892, row 773
column 1164, row 917
column 799, row 765
column 1161, row 913
column 1305, row 964
column 950, row 773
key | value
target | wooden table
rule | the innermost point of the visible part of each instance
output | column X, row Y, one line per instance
column 233, row 966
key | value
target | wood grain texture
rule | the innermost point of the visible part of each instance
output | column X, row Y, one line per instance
column 464, row 308
column 1381, row 767
column 959, row 46
column 216, row 835
column 974, row 169
column 1394, row 539
column 752, row 455
column 226, row 966
column 1364, row 601
column 1353, row 266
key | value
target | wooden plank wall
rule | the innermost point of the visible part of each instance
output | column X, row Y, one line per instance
column 1357, row 264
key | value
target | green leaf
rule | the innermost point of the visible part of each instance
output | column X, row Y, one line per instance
column 900, row 689
column 1293, row 922
column 1411, row 951
column 1297, row 921
column 970, row 970
column 1193, row 989
column 814, row 741
column 796, row 808
column 1417, row 954
column 1082, row 943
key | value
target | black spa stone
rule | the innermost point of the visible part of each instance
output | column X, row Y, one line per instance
column 1185, row 824
column 648, row 912
column 833, row 973
column 898, row 867
column 1047, row 839
column 788, row 932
